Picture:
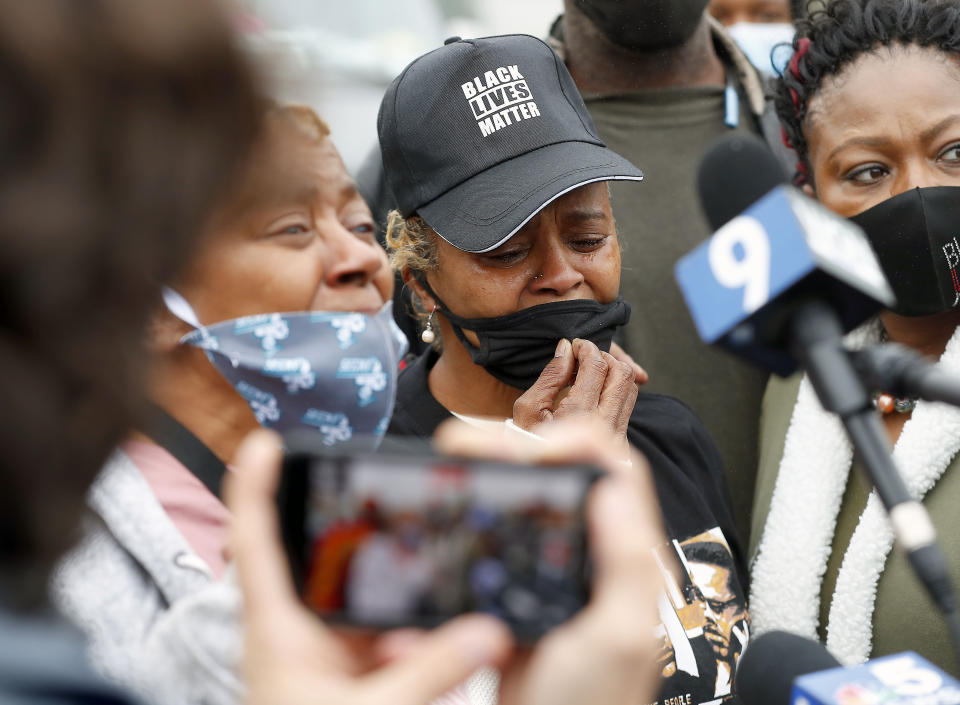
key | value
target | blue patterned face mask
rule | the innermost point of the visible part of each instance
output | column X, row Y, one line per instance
column 329, row 371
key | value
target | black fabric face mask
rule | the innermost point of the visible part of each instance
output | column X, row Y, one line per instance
column 515, row 348
column 644, row 25
column 916, row 236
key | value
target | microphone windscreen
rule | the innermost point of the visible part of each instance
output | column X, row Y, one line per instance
column 771, row 663
column 736, row 172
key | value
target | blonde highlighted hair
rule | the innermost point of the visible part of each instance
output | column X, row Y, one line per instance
column 412, row 246
column 411, row 243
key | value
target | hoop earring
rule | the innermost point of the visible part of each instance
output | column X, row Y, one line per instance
column 428, row 336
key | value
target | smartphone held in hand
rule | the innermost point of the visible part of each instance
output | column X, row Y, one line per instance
column 384, row 541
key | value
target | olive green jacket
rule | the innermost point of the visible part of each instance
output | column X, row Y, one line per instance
column 877, row 606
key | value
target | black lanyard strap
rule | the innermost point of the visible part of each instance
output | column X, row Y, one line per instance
column 178, row 440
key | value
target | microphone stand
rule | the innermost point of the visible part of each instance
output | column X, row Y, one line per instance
column 903, row 372
column 817, row 343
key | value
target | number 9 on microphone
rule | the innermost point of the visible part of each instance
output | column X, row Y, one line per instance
column 785, row 247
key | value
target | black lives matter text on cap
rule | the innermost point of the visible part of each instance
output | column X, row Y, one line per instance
column 479, row 135
column 499, row 98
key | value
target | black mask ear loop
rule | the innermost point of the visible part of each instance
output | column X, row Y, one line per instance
column 422, row 281
column 451, row 317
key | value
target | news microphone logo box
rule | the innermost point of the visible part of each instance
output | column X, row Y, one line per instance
column 952, row 252
column 901, row 679
column 785, row 242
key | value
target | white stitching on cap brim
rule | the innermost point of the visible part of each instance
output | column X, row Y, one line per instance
column 541, row 207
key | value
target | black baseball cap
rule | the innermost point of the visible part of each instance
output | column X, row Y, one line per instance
column 480, row 135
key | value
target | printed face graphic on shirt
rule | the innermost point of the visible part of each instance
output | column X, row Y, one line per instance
column 712, row 588
column 705, row 625
column 499, row 98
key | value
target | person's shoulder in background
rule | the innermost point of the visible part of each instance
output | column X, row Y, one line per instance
column 155, row 619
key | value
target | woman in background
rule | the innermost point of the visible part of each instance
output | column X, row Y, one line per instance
column 890, row 159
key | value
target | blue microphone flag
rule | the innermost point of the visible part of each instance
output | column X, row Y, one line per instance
column 784, row 248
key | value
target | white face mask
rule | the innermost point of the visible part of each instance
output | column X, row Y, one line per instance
column 758, row 40
column 333, row 372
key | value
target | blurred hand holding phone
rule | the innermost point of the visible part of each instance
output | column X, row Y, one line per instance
column 394, row 540
column 603, row 655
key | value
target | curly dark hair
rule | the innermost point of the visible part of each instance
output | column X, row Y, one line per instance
column 122, row 122
column 833, row 36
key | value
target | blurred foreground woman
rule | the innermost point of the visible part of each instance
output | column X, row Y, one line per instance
column 122, row 121
column 890, row 159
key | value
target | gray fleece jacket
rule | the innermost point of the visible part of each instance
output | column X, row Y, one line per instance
column 156, row 619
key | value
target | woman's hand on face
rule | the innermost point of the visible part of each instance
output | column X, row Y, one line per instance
column 290, row 658
column 581, row 381
column 607, row 654
column 640, row 375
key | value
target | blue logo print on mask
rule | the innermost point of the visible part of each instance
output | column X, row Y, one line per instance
column 334, row 427
column 367, row 373
column 347, row 326
column 269, row 329
column 264, row 405
column 295, row 372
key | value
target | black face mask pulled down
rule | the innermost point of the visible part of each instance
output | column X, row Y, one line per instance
column 515, row 348
column 645, row 25
column 916, row 236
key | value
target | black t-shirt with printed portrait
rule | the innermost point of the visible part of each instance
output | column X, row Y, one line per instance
column 704, row 622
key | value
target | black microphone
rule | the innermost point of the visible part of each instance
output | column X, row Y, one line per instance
column 903, row 372
column 726, row 188
column 779, row 284
column 772, row 662
column 778, row 668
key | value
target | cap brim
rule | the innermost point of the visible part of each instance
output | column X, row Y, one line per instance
column 488, row 209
